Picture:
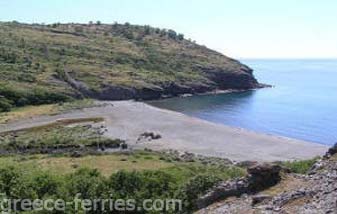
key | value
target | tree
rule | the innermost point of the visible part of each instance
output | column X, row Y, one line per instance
column 147, row 30
column 98, row 23
column 181, row 36
column 163, row 32
column 172, row 34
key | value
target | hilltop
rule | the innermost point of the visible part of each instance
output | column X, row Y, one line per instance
column 55, row 63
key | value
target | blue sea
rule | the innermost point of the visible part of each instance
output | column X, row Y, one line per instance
column 302, row 104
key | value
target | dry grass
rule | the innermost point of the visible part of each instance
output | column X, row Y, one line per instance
column 58, row 123
column 106, row 164
column 49, row 109
column 27, row 112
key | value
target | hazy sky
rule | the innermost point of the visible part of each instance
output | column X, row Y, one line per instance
column 238, row 28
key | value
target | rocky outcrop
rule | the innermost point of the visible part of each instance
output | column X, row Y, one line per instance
column 219, row 79
column 259, row 177
column 262, row 176
column 331, row 151
column 313, row 193
column 241, row 79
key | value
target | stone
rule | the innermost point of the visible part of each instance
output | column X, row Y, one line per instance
column 332, row 150
column 262, row 176
column 256, row 199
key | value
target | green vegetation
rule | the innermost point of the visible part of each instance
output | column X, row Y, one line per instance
column 47, row 109
column 32, row 177
column 59, row 135
column 43, row 64
column 301, row 166
column 135, row 175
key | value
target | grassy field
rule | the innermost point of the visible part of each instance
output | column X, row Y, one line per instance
column 112, row 163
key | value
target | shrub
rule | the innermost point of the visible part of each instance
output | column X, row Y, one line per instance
column 12, row 96
column 181, row 36
column 172, row 34
column 301, row 166
column 89, row 183
column 5, row 104
column 194, row 188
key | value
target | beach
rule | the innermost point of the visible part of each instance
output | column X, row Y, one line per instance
column 128, row 120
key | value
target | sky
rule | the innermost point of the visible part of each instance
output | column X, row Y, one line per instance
column 236, row 28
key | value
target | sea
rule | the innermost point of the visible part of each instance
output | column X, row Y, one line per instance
column 302, row 103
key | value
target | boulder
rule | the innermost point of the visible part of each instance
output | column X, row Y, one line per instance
column 262, row 176
column 257, row 199
column 332, row 150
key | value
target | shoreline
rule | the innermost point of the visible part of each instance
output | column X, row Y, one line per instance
column 127, row 120
column 210, row 92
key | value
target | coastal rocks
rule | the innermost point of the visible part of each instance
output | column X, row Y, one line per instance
column 241, row 78
column 218, row 78
column 259, row 177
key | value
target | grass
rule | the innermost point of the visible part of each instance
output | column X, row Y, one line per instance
column 106, row 164
column 184, row 171
column 48, row 109
column 27, row 112
column 112, row 163
column 62, row 133
column 301, row 166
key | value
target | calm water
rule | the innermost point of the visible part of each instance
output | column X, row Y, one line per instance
column 302, row 105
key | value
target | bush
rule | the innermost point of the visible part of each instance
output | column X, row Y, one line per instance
column 11, row 96
column 89, row 183
column 193, row 189
column 18, row 182
column 5, row 104
column 172, row 34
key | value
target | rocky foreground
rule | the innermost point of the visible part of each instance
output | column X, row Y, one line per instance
column 271, row 189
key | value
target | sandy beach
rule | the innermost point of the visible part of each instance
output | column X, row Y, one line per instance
column 128, row 120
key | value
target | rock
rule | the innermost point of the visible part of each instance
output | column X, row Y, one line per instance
column 262, row 176
column 259, row 177
column 234, row 187
column 75, row 154
column 148, row 136
column 256, row 199
column 246, row 164
column 331, row 151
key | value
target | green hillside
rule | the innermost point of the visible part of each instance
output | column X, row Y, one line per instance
column 42, row 64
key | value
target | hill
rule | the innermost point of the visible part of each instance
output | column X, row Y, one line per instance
column 54, row 63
